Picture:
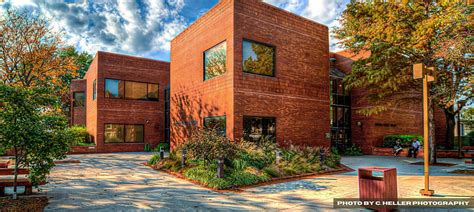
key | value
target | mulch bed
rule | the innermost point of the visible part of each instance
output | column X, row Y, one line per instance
column 436, row 164
column 342, row 169
column 30, row 203
column 66, row 161
column 463, row 171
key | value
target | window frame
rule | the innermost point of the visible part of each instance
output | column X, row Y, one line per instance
column 74, row 99
column 204, row 61
column 274, row 57
column 261, row 117
column 94, row 89
column 124, row 134
column 216, row 117
column 124, row 90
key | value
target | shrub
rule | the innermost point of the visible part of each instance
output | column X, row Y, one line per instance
column 332, row 158
column 405, row 140
column 79, row 136
column 353, row 150
column 154, row 159
column 165, row 146
column 208, row 145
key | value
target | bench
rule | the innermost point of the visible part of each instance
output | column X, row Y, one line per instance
column 469, row 155
column 21, row 181
column 4, row 164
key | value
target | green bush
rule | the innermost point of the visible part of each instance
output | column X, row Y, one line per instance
column 154, row 159
column 165, row 146
column 405, row 140
column 353, row 150
column 332, row 158
column 79, row 136
column 208, row 145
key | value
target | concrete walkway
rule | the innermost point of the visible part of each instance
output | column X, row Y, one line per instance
column 109, row 182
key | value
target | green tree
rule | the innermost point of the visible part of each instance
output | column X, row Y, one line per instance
column 398, row 35
column 31, row 127
column 264, row 62
column 82, row 61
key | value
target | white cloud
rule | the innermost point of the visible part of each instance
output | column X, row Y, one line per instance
column 130, row 27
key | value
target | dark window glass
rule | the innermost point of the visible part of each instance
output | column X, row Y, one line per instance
column 114, row 88
column 79, row 99
column 216, row 123
column 94, row 89
column 258, row 58
column 136, row 90
column 215, row 61
column 256, row 128
column 114, row 133
column 153, row 91
column 134, row 133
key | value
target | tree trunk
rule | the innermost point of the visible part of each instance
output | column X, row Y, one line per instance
column 432, row 134
column 15, row 173
column 450, row 125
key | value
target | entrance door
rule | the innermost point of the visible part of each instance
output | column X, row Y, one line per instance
column 340, row 115
column 167, row 114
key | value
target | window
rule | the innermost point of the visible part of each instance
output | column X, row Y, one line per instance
column 122, row 89
column 114, row 133
column 79, row 99
column 256, row 128
column 258, row 58
column 153, row 91
column 215, row 61
column 217, row 123
column 114, row 88
column 94, row 89
column 134, row 133
column 136, row 90
column 120, row 133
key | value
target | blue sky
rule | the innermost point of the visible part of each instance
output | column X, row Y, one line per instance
column 145, row 27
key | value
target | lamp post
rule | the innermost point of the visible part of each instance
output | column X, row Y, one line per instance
column 460, row 104
column 426, row 73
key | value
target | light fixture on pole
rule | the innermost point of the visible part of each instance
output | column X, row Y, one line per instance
column 427, row 74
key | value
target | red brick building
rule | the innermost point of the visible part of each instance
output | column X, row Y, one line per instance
column 368, row 131
column 121, row 101
column 255, row 70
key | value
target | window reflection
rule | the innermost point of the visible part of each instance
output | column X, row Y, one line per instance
column 79, row 99
column 258, row 58
column 136, row 90
column 215, row 61
column 256, row 128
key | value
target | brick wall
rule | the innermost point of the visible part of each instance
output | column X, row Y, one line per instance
column 298, row 95
column 78, row 114
column 122, row 111
column 405, row 118
column 192, row 98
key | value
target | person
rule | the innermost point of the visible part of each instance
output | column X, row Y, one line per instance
column 415, row 146
column 397, row 148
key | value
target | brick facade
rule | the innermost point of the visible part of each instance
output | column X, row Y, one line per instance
column 101, row 111
column 299, row 103
column 406, row 118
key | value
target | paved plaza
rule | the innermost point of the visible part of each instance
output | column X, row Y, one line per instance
column 121, row 182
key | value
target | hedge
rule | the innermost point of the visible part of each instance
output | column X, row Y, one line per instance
column 405, row 140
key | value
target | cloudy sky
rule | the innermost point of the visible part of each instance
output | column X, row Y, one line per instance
column 145, row 27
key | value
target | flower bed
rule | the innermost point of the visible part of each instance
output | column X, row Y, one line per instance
column 23, row 204
column 245, row 163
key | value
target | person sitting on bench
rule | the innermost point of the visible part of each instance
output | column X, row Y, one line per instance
column 397, row 148
column 415, row 146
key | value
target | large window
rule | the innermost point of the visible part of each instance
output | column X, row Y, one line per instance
column 121, row 89
column 79, row 99
column 94, row 89
column 258, row 58
column 217, row 123
column 120, row 133
column 114, row 88
column 136, row 90
column 215, row 61
column 256, row 128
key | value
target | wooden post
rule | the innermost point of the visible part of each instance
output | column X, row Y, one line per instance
column 321, row 156
column 220, row 168
column 183, row 158
column 426, row 155
column 162, row 153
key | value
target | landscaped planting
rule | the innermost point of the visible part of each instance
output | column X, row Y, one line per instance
column 244, row 163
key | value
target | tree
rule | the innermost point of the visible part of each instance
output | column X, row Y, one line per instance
column 31, row 127
column 398, row 35
column 263, row 64
column 81, row 60
column 32, row 54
